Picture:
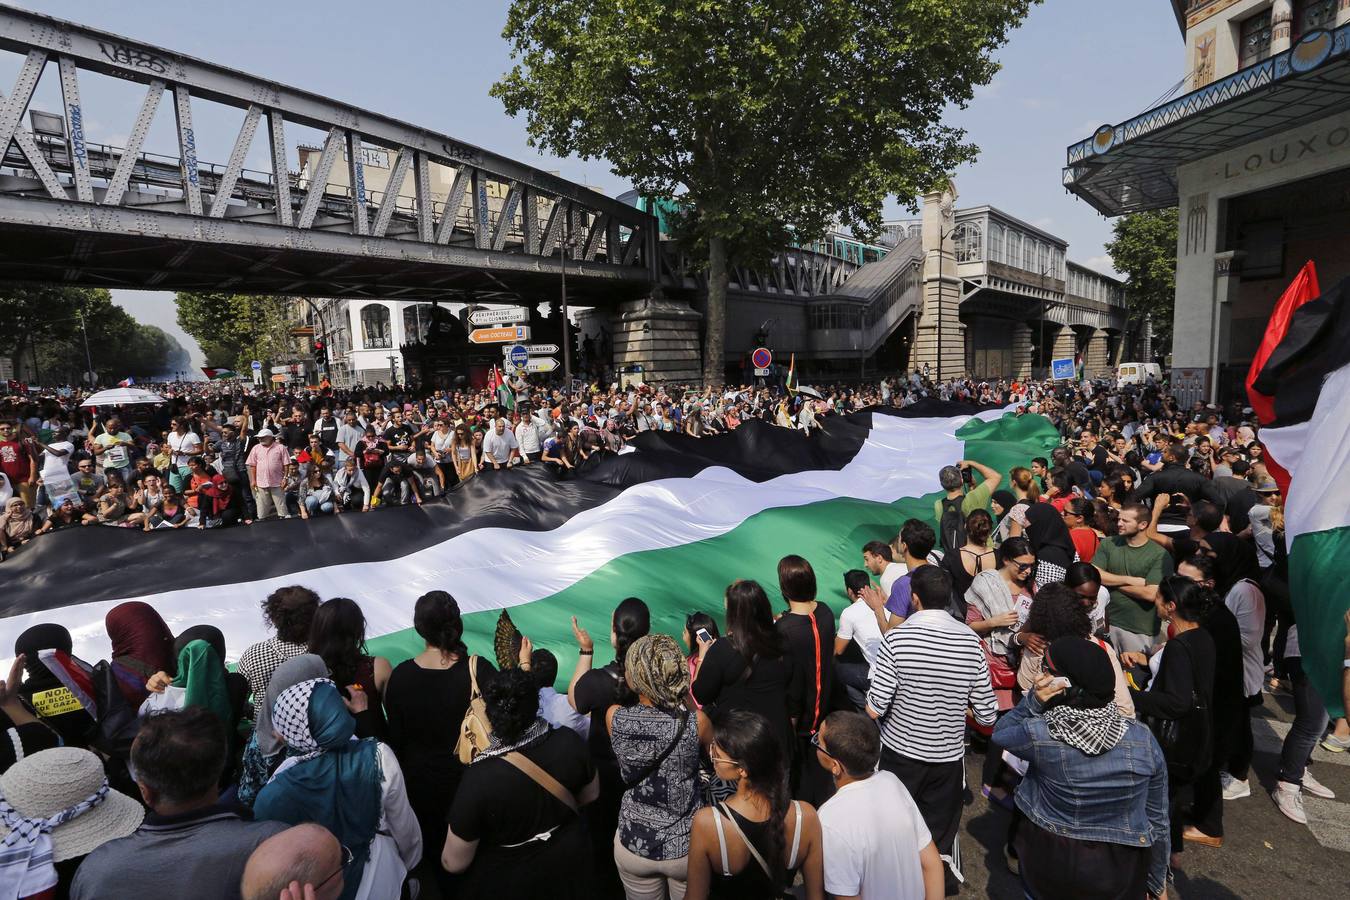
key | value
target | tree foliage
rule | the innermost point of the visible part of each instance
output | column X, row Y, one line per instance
column 43, row 329
column 1144, row 248
column 235, row 329
column 761, row 115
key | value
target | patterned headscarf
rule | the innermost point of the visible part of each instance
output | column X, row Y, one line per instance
column 310, row 721
column 657, row 670
column 26, row 862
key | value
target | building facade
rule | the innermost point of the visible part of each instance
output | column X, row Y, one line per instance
column 1255, row 154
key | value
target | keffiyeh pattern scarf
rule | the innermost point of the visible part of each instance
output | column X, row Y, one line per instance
column 1094, row 731
column 26, row 863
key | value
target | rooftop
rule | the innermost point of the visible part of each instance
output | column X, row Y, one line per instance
column 1132, row 166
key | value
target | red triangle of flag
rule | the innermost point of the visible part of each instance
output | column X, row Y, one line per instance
column 1301, row 290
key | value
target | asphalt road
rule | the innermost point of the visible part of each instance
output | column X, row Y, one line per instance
column 1264, row 854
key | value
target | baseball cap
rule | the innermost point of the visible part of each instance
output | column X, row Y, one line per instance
column 266, row 432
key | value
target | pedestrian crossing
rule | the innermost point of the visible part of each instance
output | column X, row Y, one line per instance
column 1328, row 820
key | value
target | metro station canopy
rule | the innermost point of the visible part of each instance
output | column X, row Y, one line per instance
column 1132, row 167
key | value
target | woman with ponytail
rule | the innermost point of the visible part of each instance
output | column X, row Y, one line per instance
column 752, row 846
column 593, row 692
column 425, row 701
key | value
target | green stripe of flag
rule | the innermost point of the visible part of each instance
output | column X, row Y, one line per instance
column 678, row 580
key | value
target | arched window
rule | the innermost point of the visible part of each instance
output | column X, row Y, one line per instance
column 1015, row 248
column 915, row 230
column 996, row 235
column 416, row 320
column 376, row 332
column 967, row 241
column 1045, row 261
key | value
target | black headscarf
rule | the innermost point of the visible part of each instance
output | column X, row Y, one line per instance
column 41, row 637
column 209, row 633
column 1049, row 536
column 1234, row 560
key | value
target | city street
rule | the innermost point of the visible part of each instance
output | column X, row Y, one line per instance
column 1264, row 854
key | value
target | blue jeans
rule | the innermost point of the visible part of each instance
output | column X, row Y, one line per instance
column 313, row 507
column 853, row 676
column 1310, row 720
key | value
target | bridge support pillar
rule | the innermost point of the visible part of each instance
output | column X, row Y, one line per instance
column 1096, row 358
column 660, row 335
column 1021, row 350
column 1065, row 345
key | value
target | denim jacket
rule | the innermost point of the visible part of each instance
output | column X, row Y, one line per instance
column 1119, row 797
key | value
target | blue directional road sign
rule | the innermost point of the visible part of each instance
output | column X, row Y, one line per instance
column 518, row 356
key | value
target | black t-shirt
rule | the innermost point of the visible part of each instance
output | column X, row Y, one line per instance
column 399, row 435
column 1096, row 458
column 812, row 647
column 294, row 436
column 369, row 453
column 498, row 804
column 595, row 693
column 327, row 430
column 774, row 688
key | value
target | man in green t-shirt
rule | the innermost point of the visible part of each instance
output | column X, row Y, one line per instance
column 951, row 510
column 112, row 448
column 1132, row 567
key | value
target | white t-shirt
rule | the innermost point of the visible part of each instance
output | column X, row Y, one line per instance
column 873, row 833
column 859, row 624
column 1249, row 608
column 52, row 463
column 184, row 447
column 498, row 447
column 890, row 575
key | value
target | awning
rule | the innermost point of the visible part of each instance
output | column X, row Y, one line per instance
column 1132, row 166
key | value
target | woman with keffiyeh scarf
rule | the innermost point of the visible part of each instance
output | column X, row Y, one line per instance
column 354, row 788
column 1095, row 791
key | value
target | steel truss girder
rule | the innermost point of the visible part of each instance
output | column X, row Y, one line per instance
column 593, row 224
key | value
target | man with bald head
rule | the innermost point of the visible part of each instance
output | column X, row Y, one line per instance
column 300, row 863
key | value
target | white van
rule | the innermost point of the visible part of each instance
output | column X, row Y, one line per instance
column 1138, row 373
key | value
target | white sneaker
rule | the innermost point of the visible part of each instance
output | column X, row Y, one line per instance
column 1289, row 799
column 1336, row 744
column 1315, row 787
column 1234, row 789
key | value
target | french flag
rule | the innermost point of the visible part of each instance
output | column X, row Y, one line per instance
column 126, row 382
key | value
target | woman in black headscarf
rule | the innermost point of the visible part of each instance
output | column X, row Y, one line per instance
column 43, row 691
column 1051, row 543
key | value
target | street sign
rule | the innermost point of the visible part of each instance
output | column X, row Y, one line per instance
column 292, row 369
column 762, row 358
column 500, row 335
column 541, row 349
column 541, row 364
column 504, row 316
column 257, row 366
column 761, row 373
column 517, row 356
column 1062, row 369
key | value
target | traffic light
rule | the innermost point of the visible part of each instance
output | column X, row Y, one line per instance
column 320, row 353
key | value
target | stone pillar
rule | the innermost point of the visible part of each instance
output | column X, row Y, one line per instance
column 1095, row 359
column 1227, row 280
column 1065, row 345
column 1021, row 350
column 941, row 337
column 660, row 335
column 1281, row 25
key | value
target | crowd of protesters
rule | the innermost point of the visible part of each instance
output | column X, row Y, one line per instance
column 1099, row 625
column 212, row 456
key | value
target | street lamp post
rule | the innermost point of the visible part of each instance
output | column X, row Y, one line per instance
column 565, row 247
column 88, row 357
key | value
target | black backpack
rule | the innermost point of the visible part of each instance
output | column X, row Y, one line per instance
column 951, row 525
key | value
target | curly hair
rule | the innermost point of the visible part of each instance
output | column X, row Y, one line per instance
column 656, row 669
column 1058, row 612
column 512, row 701
column 290, row 610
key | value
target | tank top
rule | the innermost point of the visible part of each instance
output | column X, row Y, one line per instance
column 751, row 882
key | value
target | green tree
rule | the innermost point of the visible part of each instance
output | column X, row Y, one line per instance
column 235, row 329
column 1144, row 249
column 761, row 115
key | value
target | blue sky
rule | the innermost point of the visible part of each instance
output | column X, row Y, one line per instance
column 1074, row 65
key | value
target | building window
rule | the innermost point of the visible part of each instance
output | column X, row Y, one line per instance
column 1254, row 39
column 966, row 242
column 376, row 332
column 1014, row 249
column 996, row 233
column 1310, row 15
column 416, row 321
column 1029, row 255
column 916, row 231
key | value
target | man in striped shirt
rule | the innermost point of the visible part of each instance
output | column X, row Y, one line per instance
column 928, row 672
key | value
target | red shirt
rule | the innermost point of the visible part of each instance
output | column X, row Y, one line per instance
column 15, row 461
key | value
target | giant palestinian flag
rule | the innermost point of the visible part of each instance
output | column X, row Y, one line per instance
column 673, row 522
column 1308, row 376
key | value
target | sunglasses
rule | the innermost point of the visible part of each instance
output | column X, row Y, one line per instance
column 815, row 742
column 1024, row 567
